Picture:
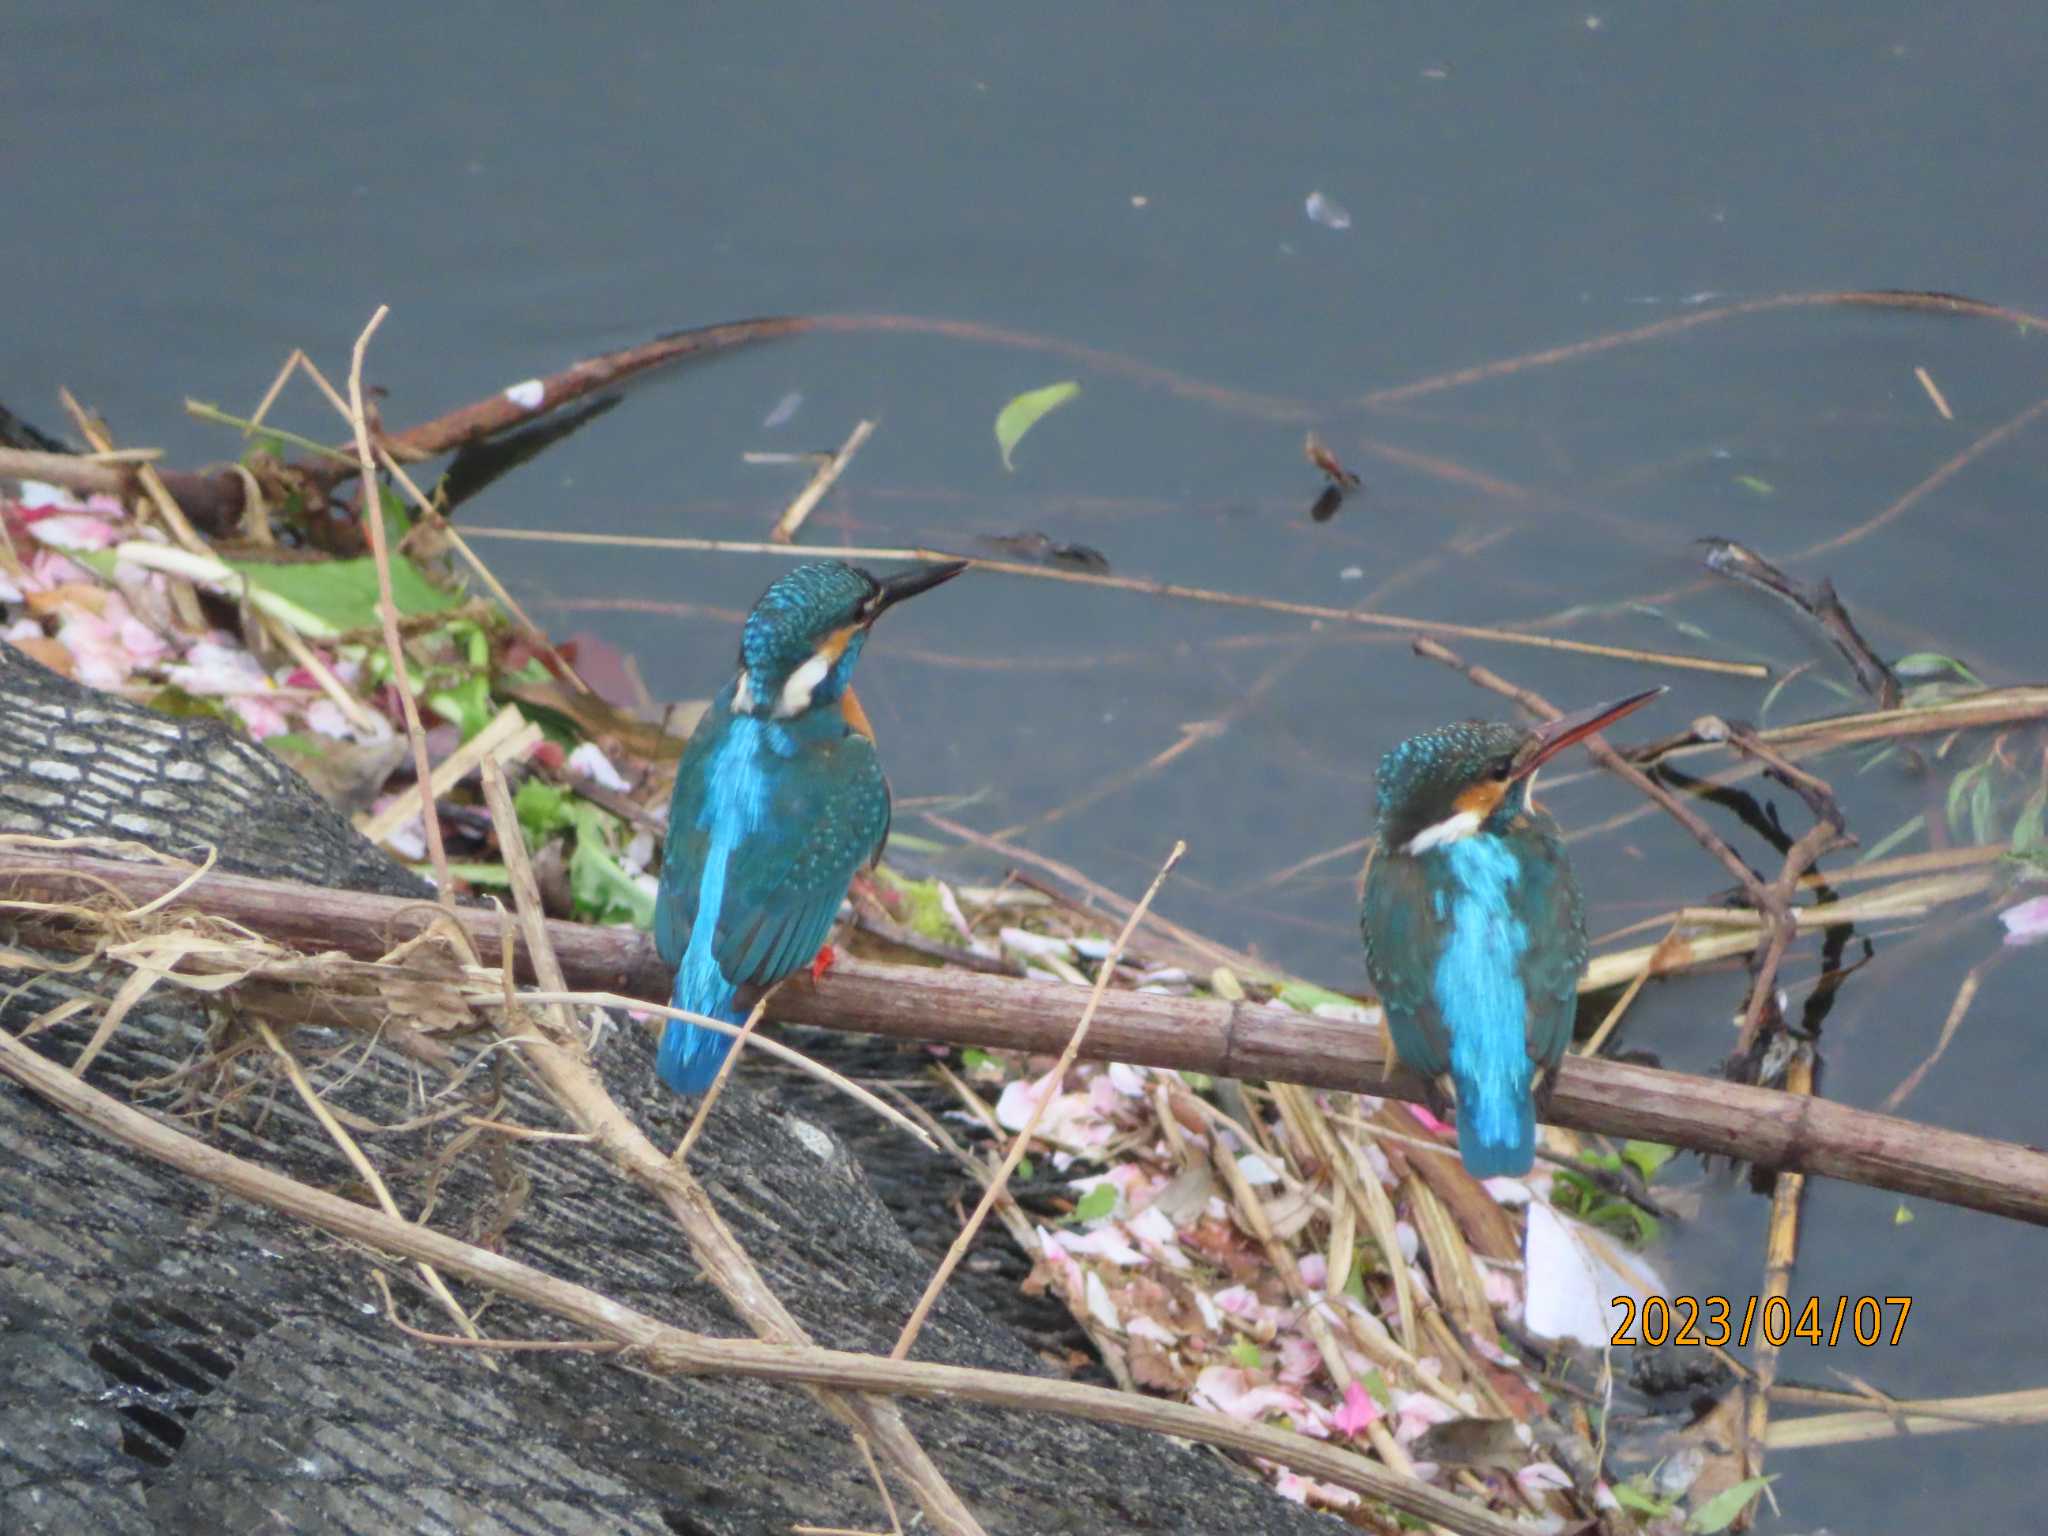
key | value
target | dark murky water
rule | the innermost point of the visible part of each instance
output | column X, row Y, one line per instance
column 191, row 198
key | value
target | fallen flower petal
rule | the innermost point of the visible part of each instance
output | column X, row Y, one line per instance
column 2027, row 922
column 1357, row 1412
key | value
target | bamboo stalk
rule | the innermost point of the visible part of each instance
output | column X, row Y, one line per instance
column 1224, row 1039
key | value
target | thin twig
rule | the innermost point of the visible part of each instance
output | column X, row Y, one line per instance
column 387, row 609
column 363, row 1166
column 1145, row 585
column 1015, row 1155
column 725, row 1069
column 1781, row 1251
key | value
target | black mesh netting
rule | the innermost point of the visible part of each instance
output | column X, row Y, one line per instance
column 174, row 1362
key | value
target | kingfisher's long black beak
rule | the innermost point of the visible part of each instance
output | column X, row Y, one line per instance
column 1554, row 736
column 919, row 578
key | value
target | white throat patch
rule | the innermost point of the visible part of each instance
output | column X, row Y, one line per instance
column 802, row 683
column 1449, row 830
column 743, row 695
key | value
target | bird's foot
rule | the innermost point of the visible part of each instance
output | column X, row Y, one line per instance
column 823, row 961
column 1440, row 1098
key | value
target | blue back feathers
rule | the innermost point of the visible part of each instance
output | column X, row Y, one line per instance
column 1475, row 940
column 1485, row 1007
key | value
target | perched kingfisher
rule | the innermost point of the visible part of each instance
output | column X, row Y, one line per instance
column 779, row 801
column 1474, row 931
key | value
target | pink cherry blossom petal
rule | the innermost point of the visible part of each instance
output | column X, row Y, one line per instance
column 2027, row 922
column 1358, row 1410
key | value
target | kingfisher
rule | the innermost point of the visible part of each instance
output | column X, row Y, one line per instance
column 1475, row 934
column 779, row 801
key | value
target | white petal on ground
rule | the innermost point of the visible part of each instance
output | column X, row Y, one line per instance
column 590, row 761
column 1573, row 1274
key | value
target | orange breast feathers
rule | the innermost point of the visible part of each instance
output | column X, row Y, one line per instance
column 856, row 717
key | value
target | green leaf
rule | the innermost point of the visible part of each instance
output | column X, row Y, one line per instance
column 1354, row 1283
column 342, row 594
column 1097, row 1203
column 910, row 842
column 1629, row 1496
column 1902, row 1215
column 544, row 809
column 1755, row 486
column 1958, row 791
column 1023, row 413
column 1026, row 1168
column 1246, row 1354
column 1376, row 1388
column 467, row 704
column 1899, row 834
column 301, row 743
column 1926, row 664
column 397, row 515
column 2027, row 829
column 1983, row 818
column 1719, row 1512
column 600, row 886
column 476, row 874
column 1647, row 1156
column 979, row 1061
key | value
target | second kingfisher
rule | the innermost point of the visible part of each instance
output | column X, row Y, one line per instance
column 1474, row 931
column 779, row 801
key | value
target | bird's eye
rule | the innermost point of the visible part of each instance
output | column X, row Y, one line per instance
column 1504, row 768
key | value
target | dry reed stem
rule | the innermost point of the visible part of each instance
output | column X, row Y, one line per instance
column 508, row 737
column 387, row 608
column 1781, row 1252
column 1209, row 950
column 1934, row 393
column 1018, row 1147
column 1138, row 584
column 1901, row 1416
column 1958, row 1010
column 564, row 1067
column 827, row 475
column 666, row 1350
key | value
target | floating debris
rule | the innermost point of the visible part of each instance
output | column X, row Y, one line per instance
column 784, row 412
column 1327, row 212
column 1023, row 413
column 1342, row 481
column 1039, row 549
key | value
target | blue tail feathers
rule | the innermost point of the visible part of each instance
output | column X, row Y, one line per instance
column 1496, row 1130
column 690, row 1054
